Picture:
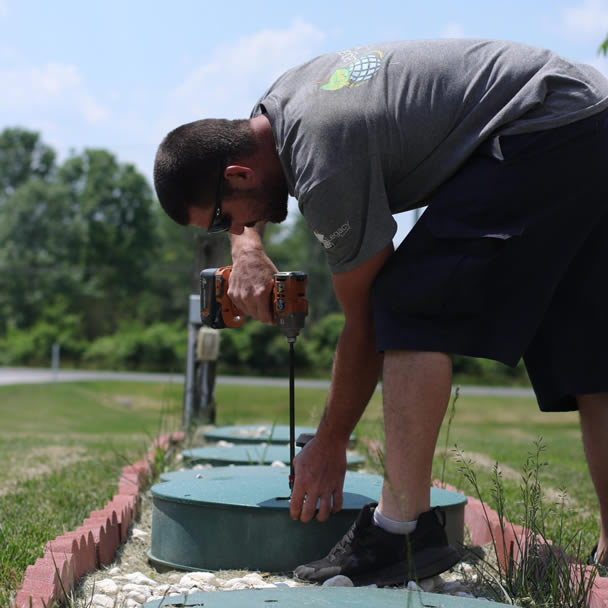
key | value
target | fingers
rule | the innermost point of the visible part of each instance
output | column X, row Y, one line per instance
column 324, row 508
column 297, row 500
column 319, row 477
column 338, row 499
column 252, row 299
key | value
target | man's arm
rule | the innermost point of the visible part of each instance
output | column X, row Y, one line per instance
column 252, row 274
column 321, row 466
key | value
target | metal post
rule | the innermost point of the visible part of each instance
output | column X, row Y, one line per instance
column 194, row 320
column 55, row 360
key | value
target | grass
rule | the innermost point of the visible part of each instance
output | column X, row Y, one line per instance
column 62, row 446
column 534, row 570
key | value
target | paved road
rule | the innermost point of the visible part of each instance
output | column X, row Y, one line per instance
column 19, row 375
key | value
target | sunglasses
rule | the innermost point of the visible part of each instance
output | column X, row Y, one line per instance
column 220, row 223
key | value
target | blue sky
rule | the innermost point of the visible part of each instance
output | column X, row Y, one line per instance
column 120, row 74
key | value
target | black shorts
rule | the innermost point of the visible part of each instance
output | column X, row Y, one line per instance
column 510, row 260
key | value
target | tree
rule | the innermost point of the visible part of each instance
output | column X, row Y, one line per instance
column 604, row 47
column 86, row 231
column 22, row 155
column 115, row 206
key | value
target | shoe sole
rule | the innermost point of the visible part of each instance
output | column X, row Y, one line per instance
column 401, row 572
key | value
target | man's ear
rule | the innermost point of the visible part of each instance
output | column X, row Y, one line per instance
column 240, row 177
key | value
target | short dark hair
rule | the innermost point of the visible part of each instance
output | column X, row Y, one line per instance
column 189, row 159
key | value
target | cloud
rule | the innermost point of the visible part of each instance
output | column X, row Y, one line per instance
column 92, row 111
column 235, row 75
column 48, row 87
column 590, row 18
column 453, row 30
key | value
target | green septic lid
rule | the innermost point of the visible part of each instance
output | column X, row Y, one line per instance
column 320, row 597
column 254, row 454
column 237, row 518
column 263, row 487
column 256, row 433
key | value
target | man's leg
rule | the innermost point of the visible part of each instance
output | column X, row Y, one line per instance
column 416, row 395
column 593, row 411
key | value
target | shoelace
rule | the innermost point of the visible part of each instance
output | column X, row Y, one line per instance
column 340, row 547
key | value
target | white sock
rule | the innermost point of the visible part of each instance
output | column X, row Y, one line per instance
column 393, row 526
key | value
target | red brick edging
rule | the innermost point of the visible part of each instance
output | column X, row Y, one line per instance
column 92, row 545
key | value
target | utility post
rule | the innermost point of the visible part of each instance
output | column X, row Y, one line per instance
column 210, row 251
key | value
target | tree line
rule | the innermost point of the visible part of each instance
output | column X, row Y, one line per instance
column 89, row 260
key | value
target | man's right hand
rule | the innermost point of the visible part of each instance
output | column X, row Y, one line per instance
column 251, row 282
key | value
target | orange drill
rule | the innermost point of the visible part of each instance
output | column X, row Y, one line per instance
column 289, row 309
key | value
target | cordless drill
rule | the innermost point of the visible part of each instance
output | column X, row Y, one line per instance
column 289, row 309
column 288, row 301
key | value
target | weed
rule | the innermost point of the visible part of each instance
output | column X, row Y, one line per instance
column 532, row 570
column 451, row 414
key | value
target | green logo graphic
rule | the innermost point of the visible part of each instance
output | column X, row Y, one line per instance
column 356, row 73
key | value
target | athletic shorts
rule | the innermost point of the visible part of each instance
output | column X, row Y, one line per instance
column 510, row 260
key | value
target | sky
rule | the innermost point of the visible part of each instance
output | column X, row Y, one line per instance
column 120, row 74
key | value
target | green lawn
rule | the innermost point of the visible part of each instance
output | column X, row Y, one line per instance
column 62, row 447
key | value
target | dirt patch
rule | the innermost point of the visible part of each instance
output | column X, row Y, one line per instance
column 38, row 462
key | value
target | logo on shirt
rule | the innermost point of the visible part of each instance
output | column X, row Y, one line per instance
column 356, row 73
column 329, row 241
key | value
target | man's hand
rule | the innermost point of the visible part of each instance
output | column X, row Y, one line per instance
column 251, row 283
column 319, row 475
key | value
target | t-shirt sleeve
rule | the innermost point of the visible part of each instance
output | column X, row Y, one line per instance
column 350, row 215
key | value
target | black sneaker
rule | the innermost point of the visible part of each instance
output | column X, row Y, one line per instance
column 602, row 570
column 367, row 554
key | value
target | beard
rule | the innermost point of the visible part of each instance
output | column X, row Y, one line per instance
column 270, row 201
column 274, row 196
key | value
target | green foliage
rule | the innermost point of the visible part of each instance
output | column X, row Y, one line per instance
column 261, row 349
column 535, row 571
column 160, row 346
column 472, row 370
column 33, row 346
column 84, row 232
column 324, row 337
column 604, row 47
column 22, row 156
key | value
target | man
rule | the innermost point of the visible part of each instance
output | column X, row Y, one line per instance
column 507, row 144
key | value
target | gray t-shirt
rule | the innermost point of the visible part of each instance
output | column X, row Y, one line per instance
column 375, row 130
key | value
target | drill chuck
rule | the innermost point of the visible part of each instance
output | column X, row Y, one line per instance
column 290, row 306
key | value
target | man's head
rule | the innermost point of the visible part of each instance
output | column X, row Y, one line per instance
column 217, row 169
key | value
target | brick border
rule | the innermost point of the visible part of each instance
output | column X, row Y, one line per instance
column 94, row 544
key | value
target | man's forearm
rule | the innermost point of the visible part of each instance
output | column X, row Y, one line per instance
column 354, row 378
column 252, row 274
column 251, row 238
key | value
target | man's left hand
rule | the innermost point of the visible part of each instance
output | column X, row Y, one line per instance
column 319, row 478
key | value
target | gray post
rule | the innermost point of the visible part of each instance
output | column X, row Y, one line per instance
column 55, row 360
column 194, row 321
column 207, row 352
